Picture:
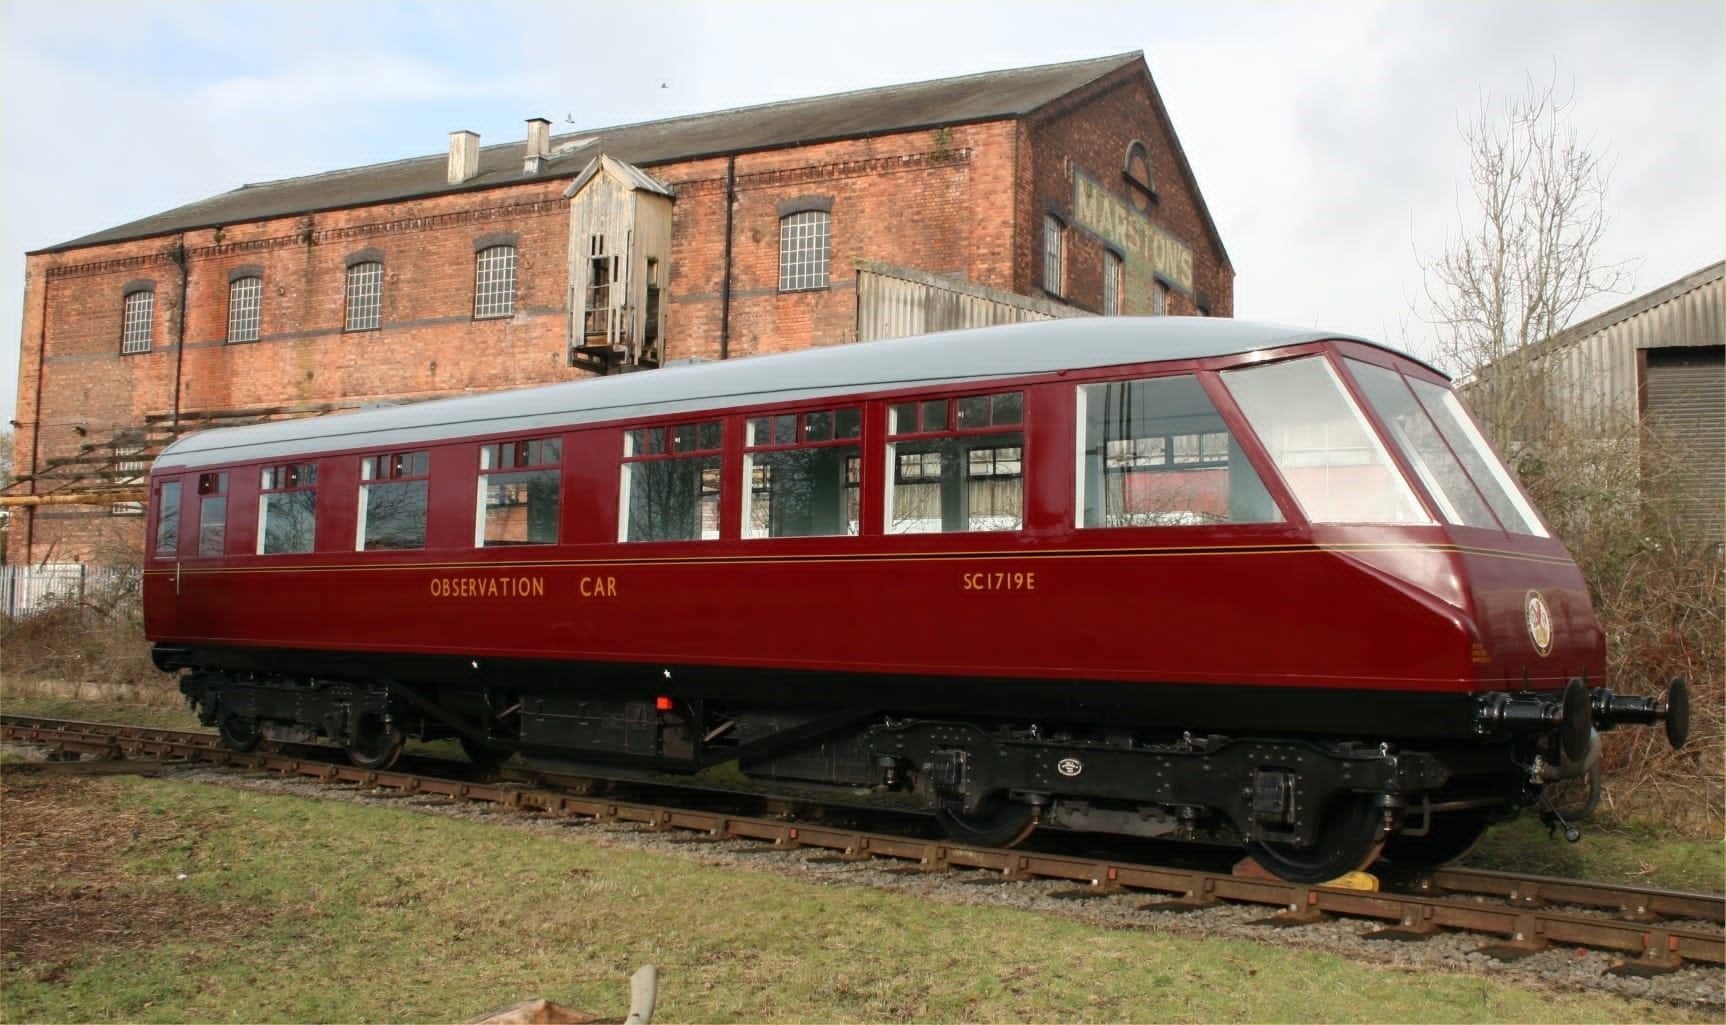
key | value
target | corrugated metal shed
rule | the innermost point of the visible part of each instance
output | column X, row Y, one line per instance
column 896, row 302
column 1592, row 368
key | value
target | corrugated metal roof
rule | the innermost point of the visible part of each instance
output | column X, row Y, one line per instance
column 955, row 357
column 948, row 101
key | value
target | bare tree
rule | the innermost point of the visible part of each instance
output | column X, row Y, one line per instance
column 1525, row 257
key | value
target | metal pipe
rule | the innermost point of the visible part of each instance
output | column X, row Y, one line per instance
column 725, row 282
column 178, row 255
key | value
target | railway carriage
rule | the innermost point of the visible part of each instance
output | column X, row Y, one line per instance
column 1187, row 578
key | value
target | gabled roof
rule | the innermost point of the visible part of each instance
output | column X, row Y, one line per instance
column 948, row 101
column 625, row 172
column 950, row 357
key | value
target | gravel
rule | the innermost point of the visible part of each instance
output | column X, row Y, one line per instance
column 1562, row 968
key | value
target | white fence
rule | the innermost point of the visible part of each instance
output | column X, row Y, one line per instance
column 28, row 589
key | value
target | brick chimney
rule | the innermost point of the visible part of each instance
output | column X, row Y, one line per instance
column 538, row 145
column 463, row 156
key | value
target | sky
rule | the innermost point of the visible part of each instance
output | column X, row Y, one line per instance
column 1324, row 136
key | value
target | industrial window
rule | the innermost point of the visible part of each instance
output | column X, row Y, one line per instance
column 494, row 282
column 670, row 486
column 1159, row 299
column 803, row 243
column 1111, row 284
column 951, row 468
column 1054, row 255
column 365, row 296
column 137, row 321
column 168, row 520
column 804, row 471
column 287, row 508
column 1157, row 454
column 212, row 513
column 393, row 501
column 245, row 308
column 518, row 492
column 1334, row 464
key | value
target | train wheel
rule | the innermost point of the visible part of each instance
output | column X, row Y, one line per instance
column 1349, row 839
column 374, row 744
column 238, row 733
column 1451, row 835
column 996, row 823
column 483, row 758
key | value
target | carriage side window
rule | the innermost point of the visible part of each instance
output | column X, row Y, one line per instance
column 168, row 520
column 518, row 492
column 287, row 508
column 393, row 501
column 212, row 513
column 956, row 466
column 1334, row 464
column 670, row 484
column 804, row 471
column 1157, row 454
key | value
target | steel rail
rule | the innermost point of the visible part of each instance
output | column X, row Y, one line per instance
column 1656, row 930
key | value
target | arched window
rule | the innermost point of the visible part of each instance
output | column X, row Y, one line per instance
column 1054, row 255
column 365, row 295
column 1137, row 170
column 803, row 244
column 137, row 317
column 245, row 307
column 494, row 282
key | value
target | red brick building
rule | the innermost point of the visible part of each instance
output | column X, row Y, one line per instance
column 1010, row 195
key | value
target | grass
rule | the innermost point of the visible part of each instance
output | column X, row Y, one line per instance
column 327, row 911
column 1636, row 853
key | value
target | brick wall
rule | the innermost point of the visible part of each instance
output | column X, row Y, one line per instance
column 965, row 201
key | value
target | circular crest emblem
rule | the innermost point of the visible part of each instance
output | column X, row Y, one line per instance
column 1069, row 766
column 1539, row 620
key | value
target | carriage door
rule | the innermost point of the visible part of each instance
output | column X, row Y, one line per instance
column 165, row 505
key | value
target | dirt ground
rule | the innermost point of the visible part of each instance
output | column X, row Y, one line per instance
column 64, row 856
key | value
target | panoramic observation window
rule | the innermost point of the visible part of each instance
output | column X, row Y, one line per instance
column 1334, row 464
column 287, row 508
column 670, row 485
column 1157, row 454
column 245, row 308
column 168, row 520
column 804, row 471
column 803, row 249
column 518, row 492
column 212, row 513
column 951, row 468
column 393, row 501
column 1485, row 468
column 494, row 282
column 365, row 296
column 1423, row 445
column 139, row 311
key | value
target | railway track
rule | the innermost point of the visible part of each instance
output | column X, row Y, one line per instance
column 1652, row 931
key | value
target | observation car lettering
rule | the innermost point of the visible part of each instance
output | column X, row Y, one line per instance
column 488, row 587
column 598, row 587
column 998, row 580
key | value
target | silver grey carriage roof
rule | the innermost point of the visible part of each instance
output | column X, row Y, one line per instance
column 952, row 357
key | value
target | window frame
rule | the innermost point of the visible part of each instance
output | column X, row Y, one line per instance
column 1054, row 254
column 213, row 486
column 396, row 474
column 951, row 428
column 747, row 489
column 538, row 455
column 302, row 478
column 370, row 293
column 805, row 256
column 487, row 276
column 1114, row 279
column 135, row 339
column 668, row 451
column 245, row 306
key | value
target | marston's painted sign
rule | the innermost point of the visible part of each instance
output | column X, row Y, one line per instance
column 1150, row 251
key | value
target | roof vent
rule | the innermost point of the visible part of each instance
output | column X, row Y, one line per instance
column 538, row 145
column 463, row 156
